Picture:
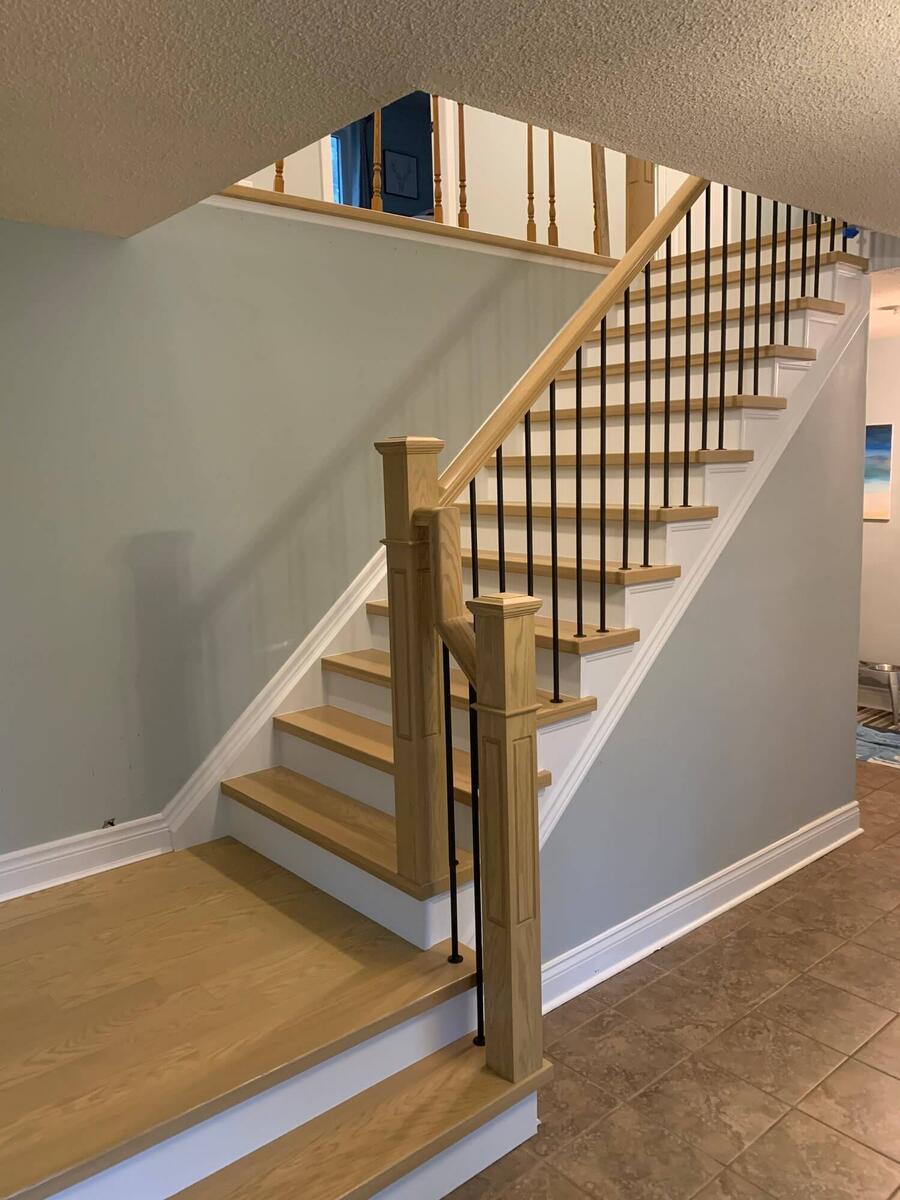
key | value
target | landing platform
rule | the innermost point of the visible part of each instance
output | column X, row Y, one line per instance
column 138, row 1002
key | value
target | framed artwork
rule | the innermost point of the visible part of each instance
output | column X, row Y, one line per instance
column 877, row 473
column 401, row 174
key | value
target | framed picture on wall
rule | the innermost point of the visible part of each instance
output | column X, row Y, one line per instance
column 877, row 473
column 401, row 174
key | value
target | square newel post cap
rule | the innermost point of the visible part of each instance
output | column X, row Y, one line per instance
column 409, row 445
column 504, row 605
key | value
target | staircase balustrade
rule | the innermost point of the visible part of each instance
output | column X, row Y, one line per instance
column 429, row 625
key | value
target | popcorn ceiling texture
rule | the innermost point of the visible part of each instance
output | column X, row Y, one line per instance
column 114, row 115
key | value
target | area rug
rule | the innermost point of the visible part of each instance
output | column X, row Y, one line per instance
column 877, row 745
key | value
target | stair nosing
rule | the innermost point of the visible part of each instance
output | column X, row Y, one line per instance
column 347, row 664
column 362, row 1110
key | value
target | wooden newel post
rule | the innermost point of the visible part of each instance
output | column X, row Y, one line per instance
column 420, row 799
column 507, row 767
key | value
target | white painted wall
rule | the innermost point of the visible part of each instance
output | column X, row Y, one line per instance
column 879, row 635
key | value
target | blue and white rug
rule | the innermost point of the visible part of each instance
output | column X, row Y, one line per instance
column 876, row 745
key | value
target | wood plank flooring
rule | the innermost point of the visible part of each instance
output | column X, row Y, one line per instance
column 138, row 1001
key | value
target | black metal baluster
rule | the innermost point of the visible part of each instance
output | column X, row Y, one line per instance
column 579, row 565
column 648, row 394
column 529, row 507
column 844, row 236
column 602, row 627
column 723, row 332
column 818, row 255
column 476, row 869
column 455, row 956
column 626, row 432
column 501, row 522
column 804, row 252
column 742, row 307
column 833, row 232
column 773, row 273
column 756, row 295
column 685, row 487
column 667, row 381
column 473, row 535
column 704, row 440
column 554, row 545
column 787, row 275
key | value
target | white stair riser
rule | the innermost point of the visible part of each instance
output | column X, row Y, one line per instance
column 514, row 485
column 615, row 432
column 828, row 290
column 335, row 770
column 469, row 1157
column 515, row 531
column 424, row 923
column 615, row 388
column 615, row 350
column 623, row 605
column 181, row 1160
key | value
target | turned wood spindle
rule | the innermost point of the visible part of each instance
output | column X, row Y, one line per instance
column 436, row 155
column 552, row 231
column 377, row 203
column 463, row 217
column 601, row 203
column 279, row 175
column 530, row 227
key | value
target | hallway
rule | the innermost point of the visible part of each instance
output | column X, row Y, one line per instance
column 757, row 1058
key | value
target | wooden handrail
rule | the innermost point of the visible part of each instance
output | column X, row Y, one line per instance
column 523, row 394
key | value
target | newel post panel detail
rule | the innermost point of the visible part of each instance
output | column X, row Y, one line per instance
column 410, row 483
column 507, row 772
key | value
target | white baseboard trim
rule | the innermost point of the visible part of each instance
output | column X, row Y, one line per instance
column 607, row 717
column 168, row 1167
column 217, row 764
column 39, row 867
column 585, row 966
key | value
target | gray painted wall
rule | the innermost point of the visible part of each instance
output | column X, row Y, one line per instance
column 879, row 631
column 188, row 479
column 743, row 731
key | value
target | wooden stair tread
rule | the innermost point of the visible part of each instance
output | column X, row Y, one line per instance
column 734, row 248
column 677, row 363
column 374, row 666
column 356, row 832
column 359, row 1148
column 591, row 412
column 369, row 742
column 636, row 458
column 170, row 989
column 591, row 512
column 518, row 563
column 616, row 333
column 592, row 643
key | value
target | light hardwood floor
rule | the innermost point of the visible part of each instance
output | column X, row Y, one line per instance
column 180, row 985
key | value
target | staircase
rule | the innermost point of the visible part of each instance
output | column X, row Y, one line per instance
column 604, row 485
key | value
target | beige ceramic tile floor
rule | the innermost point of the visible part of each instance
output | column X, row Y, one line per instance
column 758, row 1058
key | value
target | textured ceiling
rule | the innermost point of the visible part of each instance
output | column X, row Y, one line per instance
column 114, row 115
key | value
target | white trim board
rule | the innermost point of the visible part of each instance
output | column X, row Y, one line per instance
column 261, row 209
column 43, row 866
column 584, row 966
column 646, row 651
column 202, row 789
